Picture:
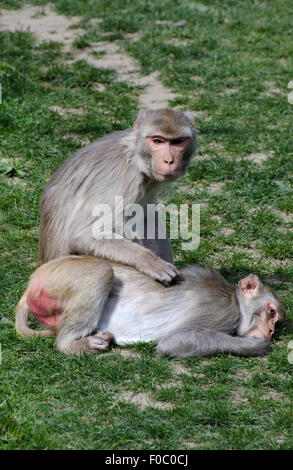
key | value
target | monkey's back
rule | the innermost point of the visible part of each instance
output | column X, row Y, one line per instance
column 137, row 308
column 77, row 187
column 141, row 309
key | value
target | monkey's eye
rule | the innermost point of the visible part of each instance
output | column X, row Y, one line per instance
column 178, row 141
column 157, row 140
column 272, row 313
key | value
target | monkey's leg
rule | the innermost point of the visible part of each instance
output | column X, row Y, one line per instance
column 190, row 342
column 82, row 314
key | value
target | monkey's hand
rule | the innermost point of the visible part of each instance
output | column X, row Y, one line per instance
column 253, row 346
column 159, row 269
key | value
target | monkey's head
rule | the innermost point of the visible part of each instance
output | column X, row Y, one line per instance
column 165, row 142
column 261, row 308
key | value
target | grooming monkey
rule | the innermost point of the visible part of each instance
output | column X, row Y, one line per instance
column 133, row 164
column 88, row 302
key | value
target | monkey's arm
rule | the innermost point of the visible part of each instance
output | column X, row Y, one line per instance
column 187, row 342
column 127, row 252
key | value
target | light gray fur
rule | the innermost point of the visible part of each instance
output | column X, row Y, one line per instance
column 200, row 316
column 100, row 300
column 116, row 164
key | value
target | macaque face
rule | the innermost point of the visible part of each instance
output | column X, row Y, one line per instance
column 263, row 309
column 266, row 323
column 168, row 154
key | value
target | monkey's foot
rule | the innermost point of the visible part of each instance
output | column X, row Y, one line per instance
column 99, row 341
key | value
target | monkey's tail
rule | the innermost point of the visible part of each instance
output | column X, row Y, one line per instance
column 21, row 320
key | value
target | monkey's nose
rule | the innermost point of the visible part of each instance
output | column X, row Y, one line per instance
column 169, row 162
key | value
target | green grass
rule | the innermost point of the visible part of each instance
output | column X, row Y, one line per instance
column 49, row 401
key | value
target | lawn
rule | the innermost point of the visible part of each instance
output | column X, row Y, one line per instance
column 229, row 62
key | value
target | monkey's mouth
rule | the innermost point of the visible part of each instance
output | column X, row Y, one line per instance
column 258, row 333
column 262, row 333
column 165, row 176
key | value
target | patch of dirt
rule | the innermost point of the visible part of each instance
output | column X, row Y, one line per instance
column 252, row 252
column 284, row 229
column 273, row 395
column 48, row 25
column 229, row 91
column 44, row 22
column 171, row 23
column 189, row 445
column 277, row 263
column 112, row 58
column 272, row 90
column 187, row 189
column 216, row 146
column 178, row 369
column 259, row 157
column 99, row 87
column 239, row 396
column 171, row 383
column 156, row 95
column 203, row 156
column 227, row 231
column 217, row 218
column 133, row 36
column 143, row 400
column 287, row 218
column 128, row 354
column 13, row 181
column 196, row 78
column 77, row 138
column 243, row 375
column 178, row 42
column 66, row 111
column 199, row 115
column 216, row 187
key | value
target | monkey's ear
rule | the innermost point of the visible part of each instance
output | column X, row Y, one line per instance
column 249, row 285
column 140, row 117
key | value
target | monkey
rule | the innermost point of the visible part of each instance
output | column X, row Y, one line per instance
column 89, row 303
column 133, row 164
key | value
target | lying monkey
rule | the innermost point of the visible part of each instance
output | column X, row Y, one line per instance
column 87, row 302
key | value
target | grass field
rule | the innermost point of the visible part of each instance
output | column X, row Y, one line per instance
column 229, row 63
